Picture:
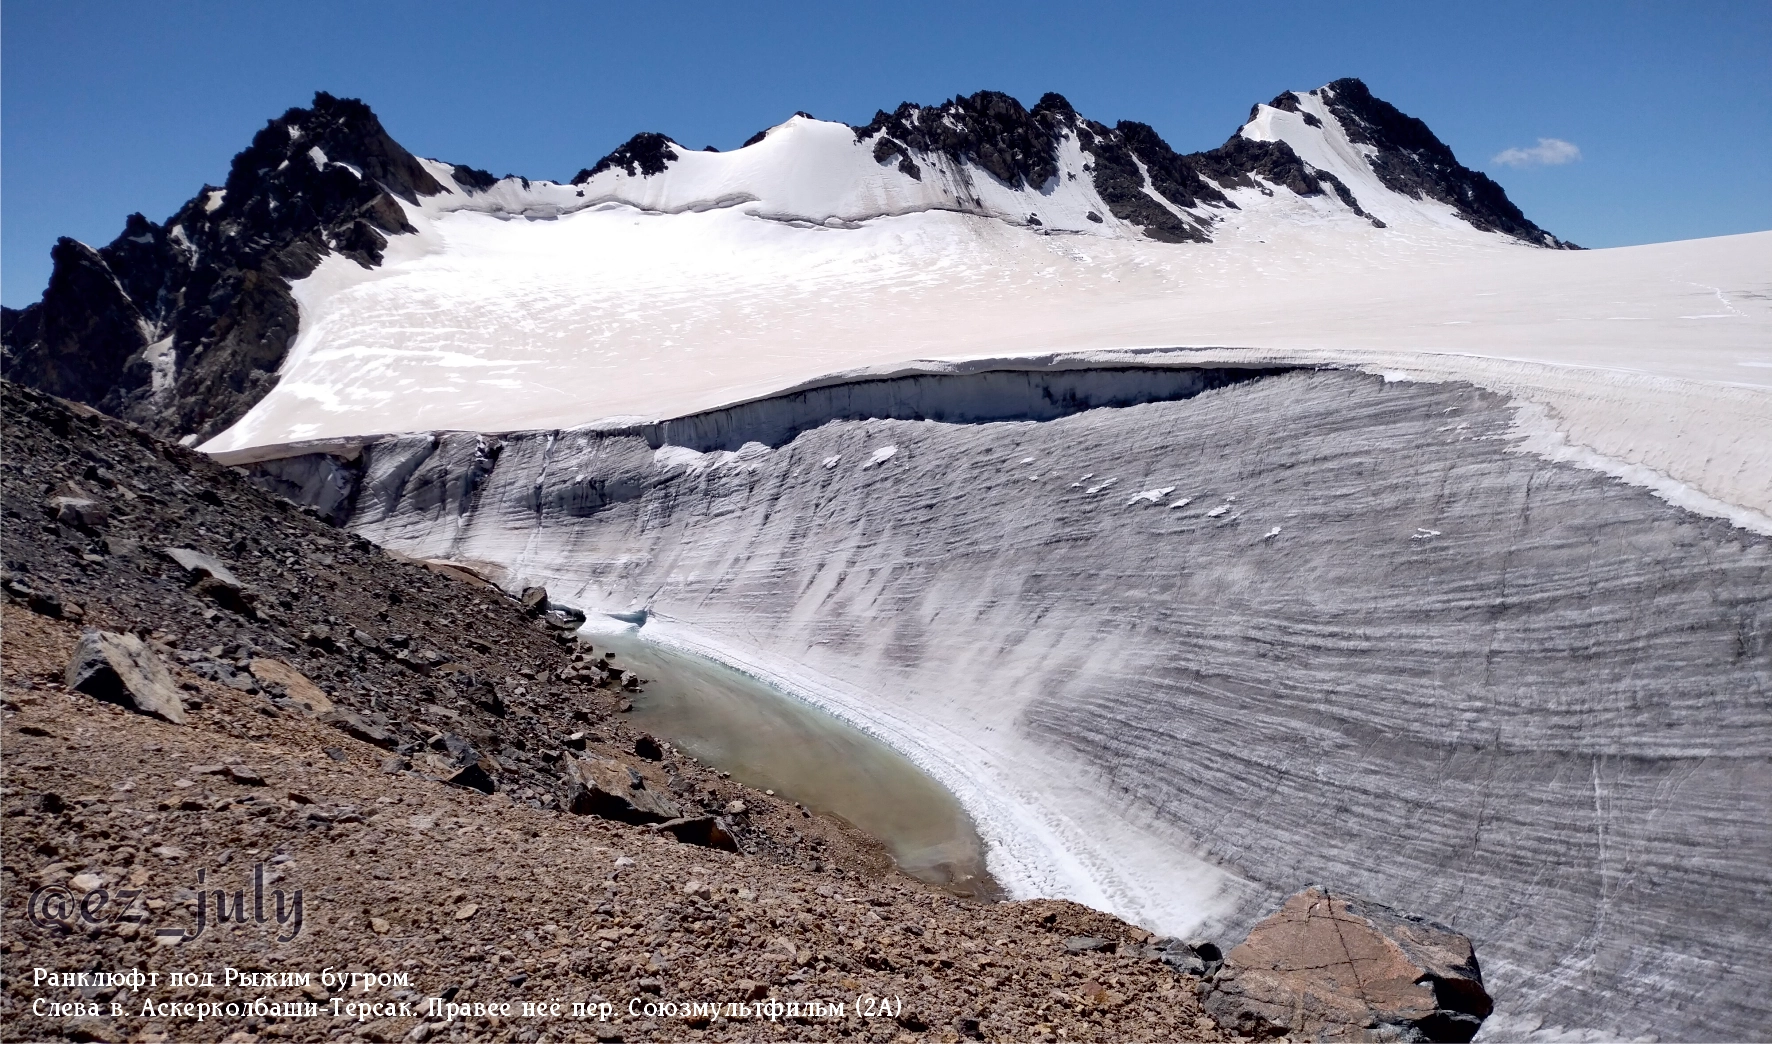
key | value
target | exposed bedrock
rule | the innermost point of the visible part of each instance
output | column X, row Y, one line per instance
column 1376, row 650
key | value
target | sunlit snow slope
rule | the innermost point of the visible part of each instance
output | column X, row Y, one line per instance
column 730, row 275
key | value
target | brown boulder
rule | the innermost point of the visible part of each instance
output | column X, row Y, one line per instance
column 611, row 790
column 295, row 685
column 354, row 724
column 78, row 512
column 707, row 831
column 1336, row 968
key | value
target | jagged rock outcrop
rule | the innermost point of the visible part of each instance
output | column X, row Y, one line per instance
column 1015, row 145
column 1412, row 162
column 642, row 155
column 181, row 326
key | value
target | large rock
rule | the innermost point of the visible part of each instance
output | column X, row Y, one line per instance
column 214, row 581
column 79, row 512
column 354, row 724
column 121, row 669
column 275, row 674
column 201, row 566
column 1335, row 968
column 707, row 831
column 611, row 790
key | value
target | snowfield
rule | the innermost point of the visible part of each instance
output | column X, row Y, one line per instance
column 508, row 311
column 1365, row 623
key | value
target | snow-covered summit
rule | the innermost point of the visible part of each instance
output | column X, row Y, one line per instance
column 1390, row 160
column 1336, row 150
column 337, row 286
column 185, row 325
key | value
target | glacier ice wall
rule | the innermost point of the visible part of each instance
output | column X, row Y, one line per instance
column 1310, row 628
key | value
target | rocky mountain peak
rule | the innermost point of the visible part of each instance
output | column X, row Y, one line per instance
column 1411, row 161
column 181, row 326
column 642, row 155
column 1015, row 145
column 348, row 135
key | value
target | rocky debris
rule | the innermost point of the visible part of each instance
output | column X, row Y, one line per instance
column 352, row 805
column 121, row 669
column 533, row 599
column 647, row 747
column 398, row 878
column 45, row 603
column 1332, row 967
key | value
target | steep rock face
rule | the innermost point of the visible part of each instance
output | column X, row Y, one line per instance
column 1017, row 146
column 1412, row 162
column 1316, row 628
column 1137, row 173
column 85, row 330
column 181, row 326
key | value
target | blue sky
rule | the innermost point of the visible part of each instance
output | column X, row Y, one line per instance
column 111, row 107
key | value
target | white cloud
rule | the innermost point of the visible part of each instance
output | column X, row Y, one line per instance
column 1549, row 152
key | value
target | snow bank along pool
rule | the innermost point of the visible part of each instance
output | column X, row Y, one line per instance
column 1180, row 658
column 769, row 740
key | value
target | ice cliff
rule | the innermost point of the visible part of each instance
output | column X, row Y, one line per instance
column 1183, row 657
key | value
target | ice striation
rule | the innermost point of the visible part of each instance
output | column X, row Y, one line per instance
column 1372, row 645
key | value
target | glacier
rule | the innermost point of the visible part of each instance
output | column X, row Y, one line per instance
column 1361, row 545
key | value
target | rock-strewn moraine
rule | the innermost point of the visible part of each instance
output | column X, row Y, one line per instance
column 1186, row 657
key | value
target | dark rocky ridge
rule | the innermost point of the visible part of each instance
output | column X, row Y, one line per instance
column 1019, row 147
column 1413, row 162
column 181, row 326
column 1016, row 146
column 644, row 154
